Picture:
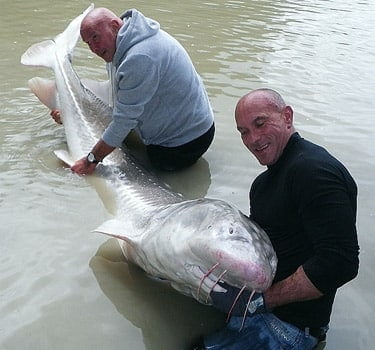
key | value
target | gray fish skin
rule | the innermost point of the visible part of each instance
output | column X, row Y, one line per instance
column 170, row 238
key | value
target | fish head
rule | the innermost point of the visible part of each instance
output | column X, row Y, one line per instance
column 228, row 246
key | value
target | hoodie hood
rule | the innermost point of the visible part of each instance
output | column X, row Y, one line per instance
column 136, row 28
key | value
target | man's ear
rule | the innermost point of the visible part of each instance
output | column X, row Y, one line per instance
column 288, row 115
column 115, row 25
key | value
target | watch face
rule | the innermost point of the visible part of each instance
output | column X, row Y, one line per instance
column 91, row 157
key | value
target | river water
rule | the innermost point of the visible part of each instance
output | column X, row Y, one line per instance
column 63, row 287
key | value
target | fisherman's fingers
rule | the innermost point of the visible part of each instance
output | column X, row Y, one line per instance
column 83, row 167
column 55, row 114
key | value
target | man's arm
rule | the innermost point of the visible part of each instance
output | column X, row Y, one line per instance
column 296, row 287
column 101, row 150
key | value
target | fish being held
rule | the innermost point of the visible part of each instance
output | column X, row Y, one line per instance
column 193, row 244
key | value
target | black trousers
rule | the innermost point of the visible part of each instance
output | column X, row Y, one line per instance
column 180, row 157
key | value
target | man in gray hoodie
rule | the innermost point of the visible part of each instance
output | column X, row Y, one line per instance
column 157, row 91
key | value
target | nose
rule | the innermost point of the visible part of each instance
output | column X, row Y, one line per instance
column 250, row 138
column 92, row 46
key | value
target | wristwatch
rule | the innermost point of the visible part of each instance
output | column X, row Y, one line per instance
column 91, row 158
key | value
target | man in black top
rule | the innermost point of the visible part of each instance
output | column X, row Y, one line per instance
column 306, row 202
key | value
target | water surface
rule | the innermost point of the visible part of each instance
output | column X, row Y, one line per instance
column 63, row 287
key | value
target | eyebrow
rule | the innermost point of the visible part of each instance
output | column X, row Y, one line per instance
column 260, row 118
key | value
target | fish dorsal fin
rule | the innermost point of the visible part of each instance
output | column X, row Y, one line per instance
column 45, row 90
column 116, row 228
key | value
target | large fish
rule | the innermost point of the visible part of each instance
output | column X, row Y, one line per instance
column 191, row 243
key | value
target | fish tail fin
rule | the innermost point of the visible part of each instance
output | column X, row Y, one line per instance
column 40, row 54
column 67, row 40
column 44, row 53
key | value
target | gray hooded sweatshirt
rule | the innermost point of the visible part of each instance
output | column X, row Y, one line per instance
column 157, row 91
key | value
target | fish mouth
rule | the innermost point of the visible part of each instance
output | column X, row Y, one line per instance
column 251, row 277
column 258, row 281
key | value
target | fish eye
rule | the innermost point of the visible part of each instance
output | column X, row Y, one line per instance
column 231, row 230
column 209, row 226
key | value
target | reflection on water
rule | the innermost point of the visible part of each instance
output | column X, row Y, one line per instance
column 63, row 287
column 149, row 304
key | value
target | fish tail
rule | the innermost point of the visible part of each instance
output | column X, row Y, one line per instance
column 44, row 53
column 41, row 54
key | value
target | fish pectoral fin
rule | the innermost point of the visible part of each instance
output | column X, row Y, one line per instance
column 65, row 157
column 115, row 228
column 45, row 90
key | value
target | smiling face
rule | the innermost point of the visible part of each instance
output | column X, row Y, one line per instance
column 99, row 31
column 265, row 124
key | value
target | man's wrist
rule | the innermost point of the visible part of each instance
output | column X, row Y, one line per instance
column 92, row 159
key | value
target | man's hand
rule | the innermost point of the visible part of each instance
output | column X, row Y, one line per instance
column 86, row 166
column 83, row 167
column 226, row 302
column 55, row 114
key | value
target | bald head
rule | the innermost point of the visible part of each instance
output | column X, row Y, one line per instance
column 267, row 97
column 98, row 16
column 99, row 30
column 265, row 123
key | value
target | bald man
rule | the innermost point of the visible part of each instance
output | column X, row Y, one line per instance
column 306, row 203
column 157, row 91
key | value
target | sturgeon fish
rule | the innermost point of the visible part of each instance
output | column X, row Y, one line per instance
column 193, row 244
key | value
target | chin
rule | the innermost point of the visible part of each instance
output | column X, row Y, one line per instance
column 265, row 162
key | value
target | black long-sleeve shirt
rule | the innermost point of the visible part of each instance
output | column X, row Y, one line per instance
column 307, row 202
